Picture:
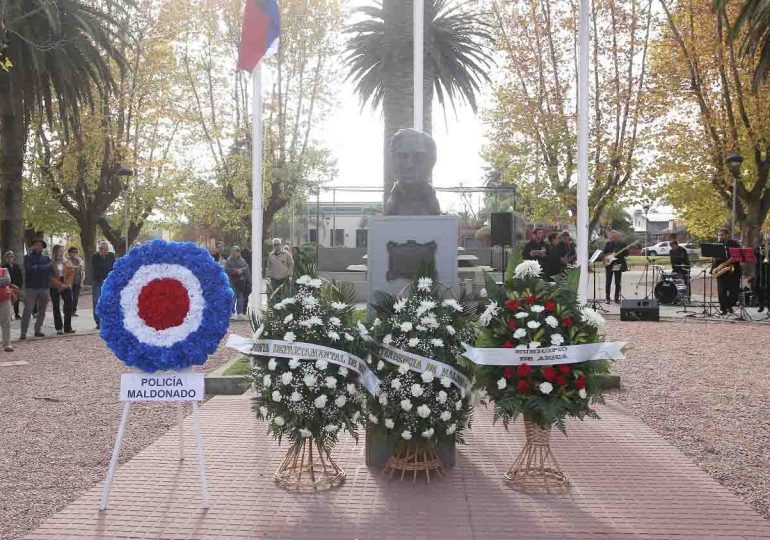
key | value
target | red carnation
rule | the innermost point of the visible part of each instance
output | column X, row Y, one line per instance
column 549, row 373
column 560, row 380
column 566, row 322
column 524, row 370
column 523, row 386
column 580, row 383
column 564, row 368
column 549, row 305
column 512, row 324
column 509, row 372
column 530, row 299
column 508, row 345
column 512, row 304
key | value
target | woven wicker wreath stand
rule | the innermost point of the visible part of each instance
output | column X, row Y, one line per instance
column 536, row 467
column 309, row 467
column 414, row 458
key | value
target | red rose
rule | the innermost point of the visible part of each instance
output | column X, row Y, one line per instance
column 549, row 373
column 512, row 304
column 508, row 345
column 509, row 372
column 560, row 380
column 549, row 305
column 523, row 370
column 530, row 299
column 564, row 368
column 512, row 324
column 523, row 386
column 566, row 322
column 580, row 383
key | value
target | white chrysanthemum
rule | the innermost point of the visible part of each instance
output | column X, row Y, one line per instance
column 330, row 382
column 428, row 433
column 315, row 320
column 454, row 304
column 416, row 390
column 546, row 387
column 446, row 382
column 389, row 423
column 339, row 306
column 520, row 333
column 334, row 321
column 376, row 322
column 279, row 421
column 445, row 416
column 528, row 269
column 263, row 411
column 406, row 326
column 429, row 321
column 272, row 364
column 522, row 315
column 387, row 339
column 582, row 393
column 286, row 377
column 395, row 384
column 423, row 411
column 331, row 428
column 399, row 305
column 427, row 376
column 502, row 383
column 373, row 419
column 310, row 302
column 425, row 306
column 305, row 433
column 424, row 284
column 303, row 280
column 413, row 342
column 436, row 342
column 294, row 363
column 451, row 429
column 321, row 364
column 296, row 396
column 483, row 293
column 334, row 336
column 533, row 325
column 310, row 380
column 590, row 317
column 406, row 435
column 521, row 347
column 340, row 400
column 380, row 364
column 383, row 399
column 406, row 405
column 552, row 321
column 458, row 404
column 489, row 312
column 316, row 283
column 362, row 329
column 451, row 330
column 351, row 388
column 557, row 339
column 442, row 397
column 534, row 344
column 537, row 308
column 276, row 396
column 288, row 318
column 348, row 337
column 266, row 381
column 289, row 337
column 320, row 401
column 403, row 369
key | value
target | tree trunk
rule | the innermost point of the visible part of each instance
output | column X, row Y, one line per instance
column 88, row 241
column 398, row 99
column 13, row 139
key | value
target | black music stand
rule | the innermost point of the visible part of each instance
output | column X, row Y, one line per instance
column 714, row 250
column 596, row 304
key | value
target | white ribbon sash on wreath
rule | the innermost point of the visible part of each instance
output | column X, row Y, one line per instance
column 420, row 364
column 275, row 348
column 546, row 356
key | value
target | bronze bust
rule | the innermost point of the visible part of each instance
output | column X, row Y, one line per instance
column 414, row 155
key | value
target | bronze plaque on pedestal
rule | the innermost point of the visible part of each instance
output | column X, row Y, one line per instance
column 405, row 259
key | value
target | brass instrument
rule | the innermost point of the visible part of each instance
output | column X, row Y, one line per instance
column 723, row 268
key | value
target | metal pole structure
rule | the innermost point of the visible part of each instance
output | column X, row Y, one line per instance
column 419, row 43
column 317, row 224
column 735, row 205
column 256, row 189
column 126, row 218
column 334, row 214
column 583, row 134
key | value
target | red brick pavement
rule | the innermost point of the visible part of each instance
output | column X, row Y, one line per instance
column 626, row 482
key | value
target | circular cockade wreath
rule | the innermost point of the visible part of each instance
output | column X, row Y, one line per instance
column 165, row 305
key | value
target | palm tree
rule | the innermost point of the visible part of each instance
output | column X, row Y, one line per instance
column 754, row 20
column 380, row 60
column 60, row 52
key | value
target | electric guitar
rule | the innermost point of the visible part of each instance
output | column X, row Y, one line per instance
column 610, row 258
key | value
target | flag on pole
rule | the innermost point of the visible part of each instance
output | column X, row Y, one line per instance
column 259, row 33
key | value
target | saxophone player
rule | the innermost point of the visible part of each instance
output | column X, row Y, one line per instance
column 728, row 283
column 761, row 281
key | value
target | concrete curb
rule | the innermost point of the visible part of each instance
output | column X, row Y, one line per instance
column 218, row 384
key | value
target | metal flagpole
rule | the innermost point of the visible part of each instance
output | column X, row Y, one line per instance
column 419, row 42
column 582, row 186
column 256, row 189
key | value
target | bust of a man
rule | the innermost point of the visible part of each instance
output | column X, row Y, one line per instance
column 413, row 154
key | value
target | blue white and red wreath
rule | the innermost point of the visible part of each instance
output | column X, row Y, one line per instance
column 165, row 305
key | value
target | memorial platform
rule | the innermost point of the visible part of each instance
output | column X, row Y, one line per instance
column 627, row 481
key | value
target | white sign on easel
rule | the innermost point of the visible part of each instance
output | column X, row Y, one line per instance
column 176, row 386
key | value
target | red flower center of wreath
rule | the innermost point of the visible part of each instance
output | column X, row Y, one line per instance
column 163, row 303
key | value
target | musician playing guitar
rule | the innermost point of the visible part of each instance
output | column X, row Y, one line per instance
column 615, row 255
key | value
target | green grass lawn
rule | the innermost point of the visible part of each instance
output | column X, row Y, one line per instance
column 241, row 367
column 663, row 260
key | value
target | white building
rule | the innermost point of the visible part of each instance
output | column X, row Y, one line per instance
column 343, row 224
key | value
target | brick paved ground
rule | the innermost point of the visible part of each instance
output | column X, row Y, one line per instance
column 627, row 481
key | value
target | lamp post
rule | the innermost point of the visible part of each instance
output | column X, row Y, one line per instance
column 734, row 161
column 646, row 209
column 125, row 172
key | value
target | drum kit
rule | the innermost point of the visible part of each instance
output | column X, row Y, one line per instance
column 671, row 289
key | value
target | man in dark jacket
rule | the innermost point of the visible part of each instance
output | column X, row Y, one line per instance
column 37, row 282
column 101, row 265
column 616, row 267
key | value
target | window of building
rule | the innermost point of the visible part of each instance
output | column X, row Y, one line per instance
column 338, row 237
column 362, row 238
column 312, row 236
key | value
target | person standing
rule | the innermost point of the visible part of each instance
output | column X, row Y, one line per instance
column 80, row 273
column 534, row 250
column 101, row 265
column 729, row 283
column 567, row 250
column 552, row 263
column 280, row 265
column 240, row 280
column 17, row 278
column 616, row 267
column 5, row 308
column 219, row 253
column 37, row 281
column 62, row 277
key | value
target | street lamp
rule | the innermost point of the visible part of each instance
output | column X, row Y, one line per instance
column 646, row 208
column 125, row 172
column 734, row 161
